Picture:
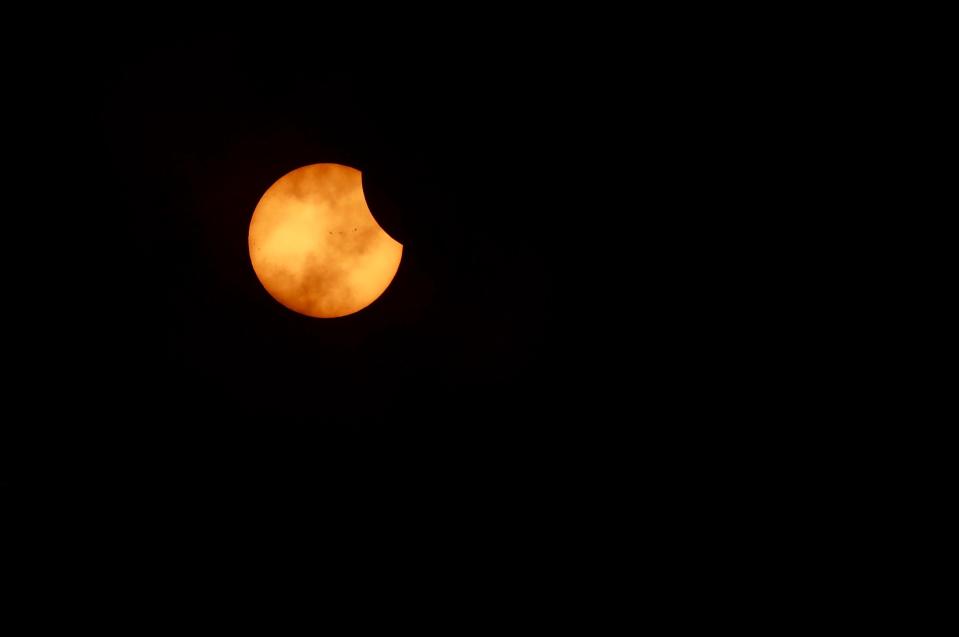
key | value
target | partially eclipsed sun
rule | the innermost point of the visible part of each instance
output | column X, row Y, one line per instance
column 315, row 245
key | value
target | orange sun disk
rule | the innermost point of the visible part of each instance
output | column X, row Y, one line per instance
column 316, row 247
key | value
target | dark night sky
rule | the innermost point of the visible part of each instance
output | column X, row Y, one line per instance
column 584, row 330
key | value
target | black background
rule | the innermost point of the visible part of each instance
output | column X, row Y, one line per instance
column 583, row 331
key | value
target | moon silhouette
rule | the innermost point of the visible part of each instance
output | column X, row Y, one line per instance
column 315, row 245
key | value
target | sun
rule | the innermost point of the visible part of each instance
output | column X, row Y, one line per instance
column 316, row 247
